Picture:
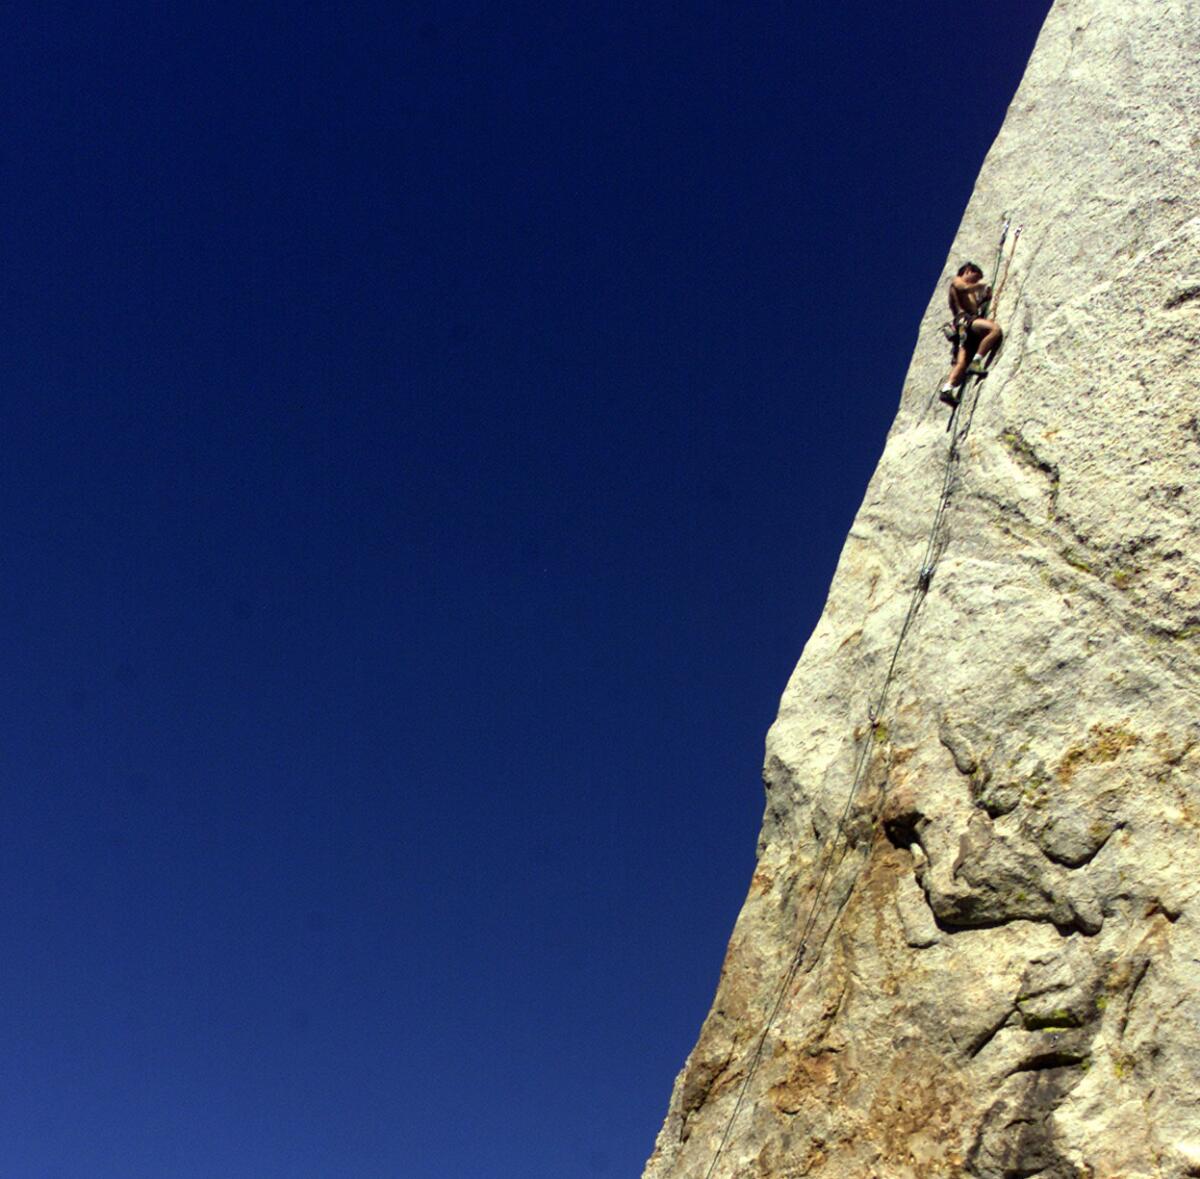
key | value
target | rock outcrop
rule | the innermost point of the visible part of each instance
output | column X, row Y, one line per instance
column 1001, row 968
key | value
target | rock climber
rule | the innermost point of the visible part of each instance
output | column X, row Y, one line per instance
column 975, row 337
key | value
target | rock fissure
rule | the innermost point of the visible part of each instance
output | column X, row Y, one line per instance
column 1062, row 1058
column 1181, row 297
column 975, row 1046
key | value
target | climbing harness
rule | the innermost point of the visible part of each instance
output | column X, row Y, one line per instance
column 957, row 329
column 832, row 853
column 980, row 367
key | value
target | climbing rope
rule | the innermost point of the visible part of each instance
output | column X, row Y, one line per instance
column 829, row 857
column 999, row 259
column 875, row 715
column 1002, row 279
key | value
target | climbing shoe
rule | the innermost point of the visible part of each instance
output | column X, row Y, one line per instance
column 950, row 395
column 978, row 368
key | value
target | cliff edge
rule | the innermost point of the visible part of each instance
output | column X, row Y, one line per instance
column 971, row 944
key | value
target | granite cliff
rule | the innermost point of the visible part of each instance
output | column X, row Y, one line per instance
column 971, row 944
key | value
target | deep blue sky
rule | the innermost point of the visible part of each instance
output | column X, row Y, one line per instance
column 429, row 434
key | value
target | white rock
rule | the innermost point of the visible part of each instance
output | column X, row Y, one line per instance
column 1001, row 973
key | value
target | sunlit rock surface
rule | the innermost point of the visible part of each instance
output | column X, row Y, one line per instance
column 1003, row 973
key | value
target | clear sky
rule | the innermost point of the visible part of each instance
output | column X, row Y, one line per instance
column 429, row 433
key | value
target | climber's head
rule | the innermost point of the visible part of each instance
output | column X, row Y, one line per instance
column 970, row 271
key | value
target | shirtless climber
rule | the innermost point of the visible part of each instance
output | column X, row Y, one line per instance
column 976, row 337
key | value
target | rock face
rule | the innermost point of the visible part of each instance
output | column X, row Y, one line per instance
column 994, row 873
